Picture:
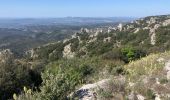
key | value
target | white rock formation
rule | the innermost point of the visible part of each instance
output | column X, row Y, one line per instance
column 157, row 81
column 157, row 26
column 167, row 69
column 74, row 36
column 157, row 97
column 153, row 38
column 131, row 96
column 109, row 30
column 137, row 30
column 152, row 34
column 146, row 28
column 84, row 30
column 108, row 39
column 89, row 91
column 137, row 22
column 67, row 53
column 32, row 53
column 80, row 41
column 5, row 55
column 65, row 40
column 97, row 31
column 92, row 40
column 166, row 22
column 167, row 66
column 168, row 75
column 160, row 60
column 140, row 97
column 152, row 20
column 120, row 27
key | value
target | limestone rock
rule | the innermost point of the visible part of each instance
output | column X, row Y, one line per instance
column 157, row 97
column 140, row 97
column 132, row 96
column 120, row 27
column 108, row 39
column 5, row 55
column 167, row 66
column 167, row 69
column 168, row 75
column 89, row 91
column 67, row 53
column 137, row 30
column 166, row 22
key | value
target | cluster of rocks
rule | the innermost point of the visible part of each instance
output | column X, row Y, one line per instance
column 32, row 53
column 149, row 23
column 167, row 69
column 6, row 55
column 67, row 53
column 91, row 91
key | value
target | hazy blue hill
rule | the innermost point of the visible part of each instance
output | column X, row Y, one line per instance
column 20, row 22
column 25, row 33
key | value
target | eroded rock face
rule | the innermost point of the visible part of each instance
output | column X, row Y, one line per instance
column 137, row 30
column 32, row 53
column 90, row 91
column 5, row 55
column 120, row 27
column 157, row 97
column 153, row 38
column 84, row 30
column 108, row 39
column 67, row 53
column 153, row 34
column 87, row 91
column 166, row 22
column 140, row 97
column 167, row 69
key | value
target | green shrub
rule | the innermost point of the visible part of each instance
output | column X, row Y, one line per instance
column 130, row 54
column 62, row 77
column 13, row 77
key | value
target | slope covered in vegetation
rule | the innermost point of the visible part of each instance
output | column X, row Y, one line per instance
column 102, row 63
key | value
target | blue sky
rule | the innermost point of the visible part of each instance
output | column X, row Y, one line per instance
column 83, row 8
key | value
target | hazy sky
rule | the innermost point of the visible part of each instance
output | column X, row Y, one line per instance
column 83, row 8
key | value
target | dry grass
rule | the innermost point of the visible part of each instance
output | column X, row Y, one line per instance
column 147, row 66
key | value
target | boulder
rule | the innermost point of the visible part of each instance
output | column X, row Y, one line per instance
column 67, row 53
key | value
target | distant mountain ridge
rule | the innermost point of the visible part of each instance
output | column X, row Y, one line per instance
column 150, row 34
column 16, row 23
column 100, row 62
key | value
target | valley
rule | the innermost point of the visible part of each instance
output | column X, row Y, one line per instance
column 116, row 60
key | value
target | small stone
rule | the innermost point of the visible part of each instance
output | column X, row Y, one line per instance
column 131, row 96
column 167, row 66
column 160, row 60
column 168, row 75
column 157, row 97
column 140, row 97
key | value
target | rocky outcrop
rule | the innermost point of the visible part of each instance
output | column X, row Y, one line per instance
column 67, row 53
column 90, row 91
column 153, row 34
column 137, row 30
column 166, row 22
column 108, row 39
column 6, row 55
column 167, row 69
column 120, row 27
column 84, row 30
column 92, row 40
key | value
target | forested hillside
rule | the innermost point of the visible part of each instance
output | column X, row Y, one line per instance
column 129, row 61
